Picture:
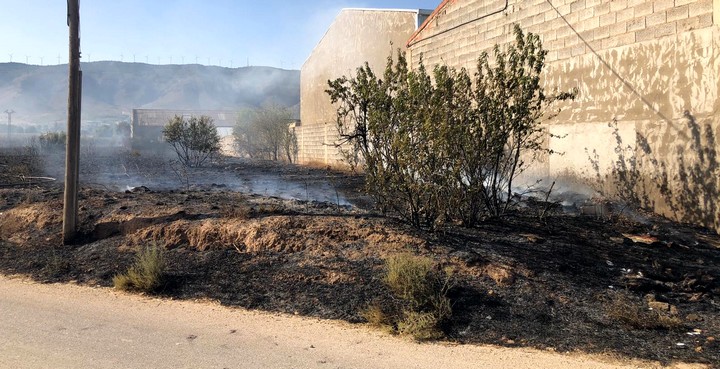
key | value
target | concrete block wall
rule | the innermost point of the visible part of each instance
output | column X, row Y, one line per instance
column 460, row 29
column 356, row 36
column 653, row 67
column 316, row 144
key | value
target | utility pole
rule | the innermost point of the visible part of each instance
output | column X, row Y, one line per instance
column 9, row 113
column 72, row 156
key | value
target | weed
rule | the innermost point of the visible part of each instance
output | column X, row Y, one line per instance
column 56, row 265
column 146, row 274
column 631, row 312
column 377, row 316
column 422, row 292
column 421, row 326
column 409, row 277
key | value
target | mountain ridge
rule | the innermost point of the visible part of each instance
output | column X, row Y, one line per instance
column 112, row 89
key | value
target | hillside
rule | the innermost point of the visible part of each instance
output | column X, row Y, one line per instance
column 112, row 89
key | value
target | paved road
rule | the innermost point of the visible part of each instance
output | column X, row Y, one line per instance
column 67, row 326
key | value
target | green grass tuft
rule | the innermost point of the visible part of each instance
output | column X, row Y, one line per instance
column 146, row 274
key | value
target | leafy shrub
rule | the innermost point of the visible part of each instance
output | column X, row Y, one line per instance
column 194, row 139
column 146, row 274
column 52, row 140
column 442, row 147
column 265, row 134
column 422, row 294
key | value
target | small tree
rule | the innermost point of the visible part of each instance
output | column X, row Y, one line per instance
column 265, row 134
column 194, row 139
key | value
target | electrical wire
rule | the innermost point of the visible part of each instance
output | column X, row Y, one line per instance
column 612, row 70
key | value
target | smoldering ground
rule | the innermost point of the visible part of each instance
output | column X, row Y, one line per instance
column 563, row 281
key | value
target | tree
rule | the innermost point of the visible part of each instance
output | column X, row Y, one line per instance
column 443, row 147
column 194, row 139
column 265, row 134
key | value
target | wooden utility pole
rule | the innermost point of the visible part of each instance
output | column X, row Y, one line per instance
column 72, row 152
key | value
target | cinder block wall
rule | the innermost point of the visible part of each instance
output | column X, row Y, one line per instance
column 355, row 37
column 652, row 66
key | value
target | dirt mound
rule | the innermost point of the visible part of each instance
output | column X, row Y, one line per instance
column 24, row 221
column 280, row 234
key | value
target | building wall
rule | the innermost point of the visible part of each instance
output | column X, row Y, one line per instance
column 356, row 36
column 656, row 73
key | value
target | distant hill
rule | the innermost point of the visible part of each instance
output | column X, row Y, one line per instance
column 112, row 89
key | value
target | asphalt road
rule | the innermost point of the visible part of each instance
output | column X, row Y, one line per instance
column 67, row 326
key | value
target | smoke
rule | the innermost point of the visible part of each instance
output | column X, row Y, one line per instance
column 576, row 195
column 112, row 89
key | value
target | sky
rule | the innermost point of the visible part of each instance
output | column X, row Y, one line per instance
column 228, row 33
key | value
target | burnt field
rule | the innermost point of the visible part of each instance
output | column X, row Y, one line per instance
column 285, row 238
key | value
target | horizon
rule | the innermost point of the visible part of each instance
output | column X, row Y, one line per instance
column 83, row 63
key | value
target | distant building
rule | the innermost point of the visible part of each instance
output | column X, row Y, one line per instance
column 355, row 37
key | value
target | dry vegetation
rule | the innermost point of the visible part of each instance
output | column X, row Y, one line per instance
column 564, row 282
column 145, row 274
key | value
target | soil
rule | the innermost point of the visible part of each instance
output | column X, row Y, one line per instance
column 307, row 241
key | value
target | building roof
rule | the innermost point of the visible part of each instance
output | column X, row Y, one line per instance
column 427, row 21
column 415, row 38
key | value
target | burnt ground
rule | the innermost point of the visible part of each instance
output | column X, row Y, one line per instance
column 281, row 238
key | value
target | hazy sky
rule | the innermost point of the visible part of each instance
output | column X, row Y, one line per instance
column 216, row 32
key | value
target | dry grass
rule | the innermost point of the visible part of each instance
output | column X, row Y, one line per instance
column 633, row 313
column 236, row 211
column 420, row 326
column 146, row 274
column 377, row 316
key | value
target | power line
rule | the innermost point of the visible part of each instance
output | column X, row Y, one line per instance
column 612, row 70
column 9, row 113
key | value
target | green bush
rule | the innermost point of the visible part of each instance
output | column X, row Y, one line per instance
column 445, row 146
column 146, row 274
column 421, row 292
